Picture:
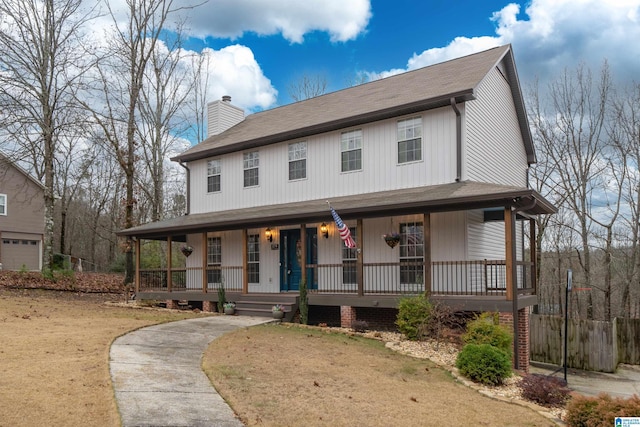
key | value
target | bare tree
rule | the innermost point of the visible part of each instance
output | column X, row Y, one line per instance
column 41, row 69
column 163, row 118
column 121, row 84
column 307, row 87
column 625, row 137
column 570, row 133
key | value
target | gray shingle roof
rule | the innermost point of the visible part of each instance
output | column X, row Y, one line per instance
column 405, row 93
column 435, row 198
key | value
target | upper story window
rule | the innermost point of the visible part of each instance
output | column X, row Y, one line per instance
column 410, row 140
column 351, row 150
column 213, row 175
column 251, row 162
column 297, row 160
column 3, row 204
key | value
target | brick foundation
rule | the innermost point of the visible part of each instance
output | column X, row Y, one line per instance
column 172, row 304
column 347, row 315
column 523, row 347
column 208, row 306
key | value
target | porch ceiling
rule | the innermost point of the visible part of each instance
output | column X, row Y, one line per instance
column 455, row 196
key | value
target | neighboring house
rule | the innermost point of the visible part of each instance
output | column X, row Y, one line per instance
column 438, row 156
column 21, row 218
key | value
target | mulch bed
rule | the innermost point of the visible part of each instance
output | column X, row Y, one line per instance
column 74, row 282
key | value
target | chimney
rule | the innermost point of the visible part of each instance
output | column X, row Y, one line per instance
column 221, row 115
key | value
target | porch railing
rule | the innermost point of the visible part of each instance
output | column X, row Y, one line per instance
column 483, row 277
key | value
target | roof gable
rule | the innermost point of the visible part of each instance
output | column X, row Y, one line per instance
column 4, row 160
column 418, row 90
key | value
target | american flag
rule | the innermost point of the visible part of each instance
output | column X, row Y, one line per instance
column 345, row 234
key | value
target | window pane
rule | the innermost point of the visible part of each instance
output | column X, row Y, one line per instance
column 251, row 160
column 409, row 151
column 297, row 169
column 251, row 177
column 351, row 160
column 298, row 151
column 213, row 183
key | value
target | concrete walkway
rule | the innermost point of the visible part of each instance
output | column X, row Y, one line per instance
column 625, row 382
column 158, row 379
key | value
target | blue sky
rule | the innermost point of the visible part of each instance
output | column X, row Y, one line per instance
column 395, row 31
column 259, row 47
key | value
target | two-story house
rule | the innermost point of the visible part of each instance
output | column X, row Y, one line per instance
column 21, row 218
column 436, row 158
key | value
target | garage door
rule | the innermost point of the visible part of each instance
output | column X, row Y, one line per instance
column 19, row 254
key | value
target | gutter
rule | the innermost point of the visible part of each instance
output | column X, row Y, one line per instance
column 188, row 198
column 458, row 139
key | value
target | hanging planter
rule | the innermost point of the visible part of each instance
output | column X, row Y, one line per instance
column 186, row 250
column 392, row 239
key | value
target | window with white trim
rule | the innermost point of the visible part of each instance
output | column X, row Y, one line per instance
column 410, row 140
column 251, row 163
column 349, row 257
column 214, row 169
column 214, row 260
column 411, row 253
column 253, row 259
column 351, row 150
column 3, row 204
column 297, row 160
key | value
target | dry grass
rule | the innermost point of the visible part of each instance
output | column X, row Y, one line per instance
column 288, row 375
column 54, row 356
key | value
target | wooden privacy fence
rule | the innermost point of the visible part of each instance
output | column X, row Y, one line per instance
column 592, row 345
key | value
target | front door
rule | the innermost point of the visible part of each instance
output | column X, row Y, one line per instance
column 291, row 258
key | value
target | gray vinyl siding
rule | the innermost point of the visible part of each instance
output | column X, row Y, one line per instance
column 486, row 239
column 221, row 116
column 494, row 146
column 325, row 179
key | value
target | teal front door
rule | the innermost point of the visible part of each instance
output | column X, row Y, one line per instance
column 291, row 258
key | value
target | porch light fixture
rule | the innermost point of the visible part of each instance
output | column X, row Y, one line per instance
column 268, row 235
column 324, row 230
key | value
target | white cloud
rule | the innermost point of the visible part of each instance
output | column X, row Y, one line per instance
column 233, row 71
column 343, row 20
column 551, row 35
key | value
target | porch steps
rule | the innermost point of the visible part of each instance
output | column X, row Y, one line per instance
column 261, row 304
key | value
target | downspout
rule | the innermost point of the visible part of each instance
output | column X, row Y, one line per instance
column 188, row 198
column 458, row 140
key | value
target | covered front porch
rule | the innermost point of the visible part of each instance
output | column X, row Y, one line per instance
column 296, row 232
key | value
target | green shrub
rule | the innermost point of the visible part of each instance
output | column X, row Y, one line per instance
column 544, row 390
column 484, row 364
column 599, row 411
column 413, row 315
column 222, row 299
column 485, row 329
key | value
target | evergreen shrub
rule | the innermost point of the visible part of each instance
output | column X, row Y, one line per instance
column 484, row 364
column 485, row 329
column 414, row 314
